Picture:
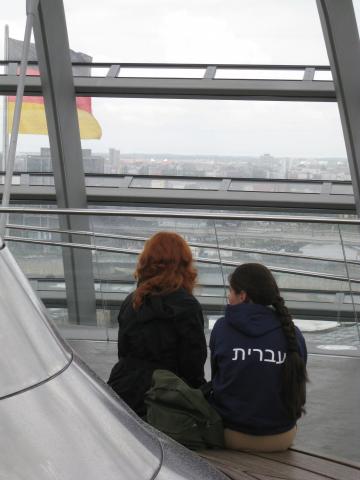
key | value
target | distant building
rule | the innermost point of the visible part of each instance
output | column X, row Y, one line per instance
column 113, row 165
column 42, row 162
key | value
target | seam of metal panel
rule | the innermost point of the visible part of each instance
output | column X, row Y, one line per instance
column 35, row 385
column 161, row 462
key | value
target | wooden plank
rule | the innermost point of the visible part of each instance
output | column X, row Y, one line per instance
column 265, row 477
column 234, row 474
column 256, row 466
column 230, row 471
column 322, row 466
column 332, row 458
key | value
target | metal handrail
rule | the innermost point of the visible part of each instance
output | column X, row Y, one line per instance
column 197, row 259
column 126, row 212
column 192, row 244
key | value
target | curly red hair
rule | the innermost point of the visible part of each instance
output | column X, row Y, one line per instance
column 165, row 265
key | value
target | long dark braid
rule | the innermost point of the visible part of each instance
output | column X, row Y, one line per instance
column 260, row 285
column 294, row 370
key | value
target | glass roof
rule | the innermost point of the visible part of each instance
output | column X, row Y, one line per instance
column 200, row 31
column 195, row 31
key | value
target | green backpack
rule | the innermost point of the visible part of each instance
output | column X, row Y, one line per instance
column 182, row 412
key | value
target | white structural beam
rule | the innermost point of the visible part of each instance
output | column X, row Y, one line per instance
column 343, row 47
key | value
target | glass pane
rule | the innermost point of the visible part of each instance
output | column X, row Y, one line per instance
column 162, row 72
column 260, row 31
column 15, row 180
column 226, row 139
column 338, row 189
column 177, row 184
column 282, row 187
column 104, row 182
column 260, row 74
column 41, row 180
column 230, row 32
column 202, row 139
column 90, row 72
column 323, row 75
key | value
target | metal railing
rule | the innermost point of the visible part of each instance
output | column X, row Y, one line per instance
column 263, row 221
column 187, row 214
column 226, row 263
column 192, row 244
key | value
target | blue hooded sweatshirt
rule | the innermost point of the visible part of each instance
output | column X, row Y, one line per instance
column 248, row 348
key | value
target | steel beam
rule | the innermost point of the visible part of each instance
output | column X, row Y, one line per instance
column 343, row 47
column 213, row 200
column 204, row 88
column 52, row 47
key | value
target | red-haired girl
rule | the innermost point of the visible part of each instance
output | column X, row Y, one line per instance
column 161, row 324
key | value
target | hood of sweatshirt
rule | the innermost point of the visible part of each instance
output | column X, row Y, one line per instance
column 165, row 306
column 252, row 319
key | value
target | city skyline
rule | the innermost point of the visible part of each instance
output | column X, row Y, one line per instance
column 196, row 165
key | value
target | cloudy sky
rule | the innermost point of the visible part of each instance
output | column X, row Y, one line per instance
column 200, row 31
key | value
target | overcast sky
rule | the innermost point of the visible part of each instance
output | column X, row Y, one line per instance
column 200, row 31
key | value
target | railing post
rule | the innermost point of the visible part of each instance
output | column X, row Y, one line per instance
column 349, row 280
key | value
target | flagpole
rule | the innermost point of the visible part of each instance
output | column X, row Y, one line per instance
column 5, row 103
column 31, row 6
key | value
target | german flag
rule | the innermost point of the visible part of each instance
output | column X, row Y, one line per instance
column 33, row 118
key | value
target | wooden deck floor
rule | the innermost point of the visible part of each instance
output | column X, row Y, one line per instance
column 290, row 465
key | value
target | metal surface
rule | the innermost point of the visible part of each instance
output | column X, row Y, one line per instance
column 309, row 74
column 210, row 72
column 114, row 71
column 207, row 89
column 72, row 427
column 172, row 213
column 65, row 145
column 37, row 186
column 201, row 66
column 343, row 47
column 58, row 420
column 30, row 351
column 203, row 88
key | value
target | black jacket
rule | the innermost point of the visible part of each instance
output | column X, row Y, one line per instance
column 248, row 348
column 166, row 332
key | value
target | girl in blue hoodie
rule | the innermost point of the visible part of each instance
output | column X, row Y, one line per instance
column 258, row 361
